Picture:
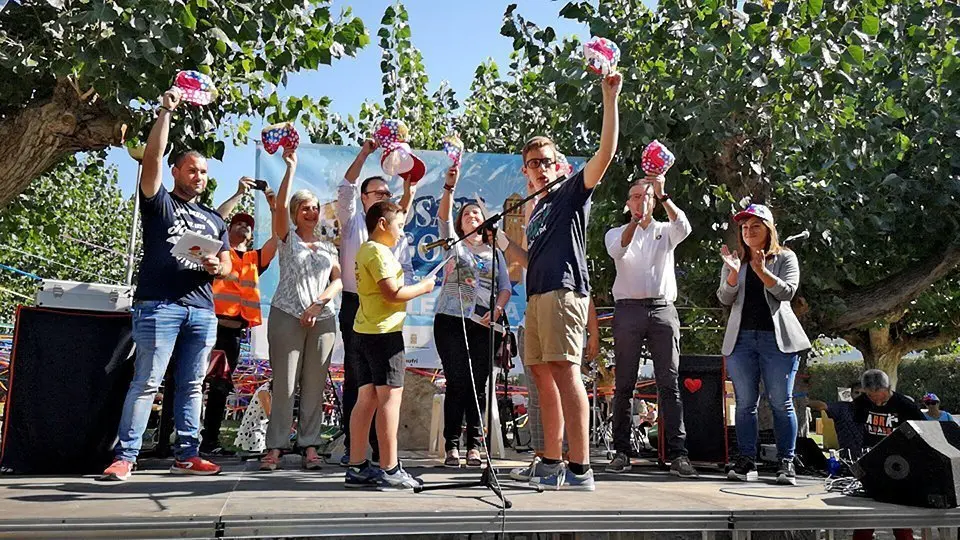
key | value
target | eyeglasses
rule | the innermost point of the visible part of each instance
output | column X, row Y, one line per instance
column 380, row 193
column 536, row 163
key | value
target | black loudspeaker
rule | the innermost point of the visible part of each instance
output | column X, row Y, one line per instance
column 704, row 416
column 917, row 465
column 69, row 373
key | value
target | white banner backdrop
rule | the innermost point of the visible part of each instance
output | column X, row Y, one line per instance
column 496, row 178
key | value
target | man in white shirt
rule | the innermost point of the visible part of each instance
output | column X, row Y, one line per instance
column 644, row 291
column 353, row 233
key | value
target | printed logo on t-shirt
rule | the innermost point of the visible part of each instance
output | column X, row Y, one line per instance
column 538, row 224
column 881, row 424
column 184, row 219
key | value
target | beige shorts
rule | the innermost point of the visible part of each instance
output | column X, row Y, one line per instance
column 554, row 329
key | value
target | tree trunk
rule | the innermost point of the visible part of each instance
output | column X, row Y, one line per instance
column 881, row 351
column 42, row 135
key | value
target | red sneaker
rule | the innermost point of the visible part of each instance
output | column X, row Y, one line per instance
column 196, row 466
column 120, row 470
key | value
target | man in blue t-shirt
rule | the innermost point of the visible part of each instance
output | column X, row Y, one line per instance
column 173, row 303
column 558, row 290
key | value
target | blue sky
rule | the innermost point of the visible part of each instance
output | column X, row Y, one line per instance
column 454, row 37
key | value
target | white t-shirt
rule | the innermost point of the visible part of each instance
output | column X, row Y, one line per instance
column 304, row 274
column 353, row 233
column 645, row 267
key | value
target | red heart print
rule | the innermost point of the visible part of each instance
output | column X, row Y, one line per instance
column 693, row 385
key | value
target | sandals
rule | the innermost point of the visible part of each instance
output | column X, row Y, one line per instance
column 312, row 464
column 473, row 458
column 269, row 463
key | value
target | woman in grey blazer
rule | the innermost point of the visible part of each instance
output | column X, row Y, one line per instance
column 763, row 337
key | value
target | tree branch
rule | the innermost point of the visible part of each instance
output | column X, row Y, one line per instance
column 891, row 293
column 930, row 338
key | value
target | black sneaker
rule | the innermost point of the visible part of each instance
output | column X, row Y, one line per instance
column 217, row 452
column 786, row 473
column 682, row 467
column 744, row 469
column 619, row 464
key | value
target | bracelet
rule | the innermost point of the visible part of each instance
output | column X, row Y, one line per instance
column 165, row 108
column 666, row 197
column 449, row 188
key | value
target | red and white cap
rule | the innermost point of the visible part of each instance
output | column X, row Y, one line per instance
column 754, row 210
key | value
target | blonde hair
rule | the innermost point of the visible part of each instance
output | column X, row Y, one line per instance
column 298, row 198
column 773, row 246
column 537, row 142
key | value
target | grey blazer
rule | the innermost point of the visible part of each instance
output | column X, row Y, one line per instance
column 790, row 335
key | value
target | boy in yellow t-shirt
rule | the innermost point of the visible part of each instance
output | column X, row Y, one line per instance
column 378, row 327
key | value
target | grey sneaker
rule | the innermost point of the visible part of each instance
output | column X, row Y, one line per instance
column 524, row 474
column 563, row 479
column 398, row 480
column 619, row 464
column 473, row 458
column 786, row 473
column 682, row 467
column 453, row 459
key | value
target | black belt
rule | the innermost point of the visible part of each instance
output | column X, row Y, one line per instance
column 650, row 302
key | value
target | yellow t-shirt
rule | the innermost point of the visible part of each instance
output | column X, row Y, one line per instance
column 376, row 315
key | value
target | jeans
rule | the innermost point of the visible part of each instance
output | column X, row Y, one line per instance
column 459, row 401
column 161, row 329
column 634, row 322
column 349, row 305
column 756, row 357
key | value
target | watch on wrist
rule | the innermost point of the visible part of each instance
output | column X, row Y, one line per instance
column 666, row 197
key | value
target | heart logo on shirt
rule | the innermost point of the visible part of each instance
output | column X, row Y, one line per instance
column 693, row 385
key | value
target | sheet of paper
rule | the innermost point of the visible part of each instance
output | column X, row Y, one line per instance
column 436, row 270
column 195, row 247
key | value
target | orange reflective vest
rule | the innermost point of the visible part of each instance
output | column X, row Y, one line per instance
column 237, row 294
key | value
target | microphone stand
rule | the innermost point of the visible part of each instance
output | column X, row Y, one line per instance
column 488, row 476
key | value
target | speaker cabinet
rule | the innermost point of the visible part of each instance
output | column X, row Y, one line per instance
column 704, row 417
column 69, row 373
column 917, row 465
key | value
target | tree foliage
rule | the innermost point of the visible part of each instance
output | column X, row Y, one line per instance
column 843, row 116
column 85, row 76
column 70, row 224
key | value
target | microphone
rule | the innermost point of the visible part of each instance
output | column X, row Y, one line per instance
column 434, row 245
column 801, row 236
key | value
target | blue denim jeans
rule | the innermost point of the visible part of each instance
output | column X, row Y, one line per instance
column 756, row 357
column 162, row 330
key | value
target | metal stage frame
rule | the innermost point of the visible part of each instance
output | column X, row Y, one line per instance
column 245, row 503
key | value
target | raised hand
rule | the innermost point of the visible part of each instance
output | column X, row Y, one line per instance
column 452, row 176
column 171, row 98
column 658, row 181
column 612, row 84
column 290, row 158
column 758, row 261
column 246, row 184
column 731, row 260
column 271, row 197
column 369, row 146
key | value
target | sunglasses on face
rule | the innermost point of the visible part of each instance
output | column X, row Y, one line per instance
column 536, row 163
column 380, row 193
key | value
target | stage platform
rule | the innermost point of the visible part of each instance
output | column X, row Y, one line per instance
column 244, row 502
